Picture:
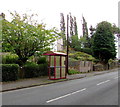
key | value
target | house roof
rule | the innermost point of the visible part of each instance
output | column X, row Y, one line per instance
column 51, row 53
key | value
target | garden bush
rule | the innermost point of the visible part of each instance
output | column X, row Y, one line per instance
column 35, row 70
column 86, row 50
column 81, row 56
column 10, row 72
column 9, row 58
column 43, row 69
column 41, row 60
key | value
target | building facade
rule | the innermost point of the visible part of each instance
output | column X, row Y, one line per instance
column 57, row 45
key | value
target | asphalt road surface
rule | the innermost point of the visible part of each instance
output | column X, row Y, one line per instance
column 94, row 90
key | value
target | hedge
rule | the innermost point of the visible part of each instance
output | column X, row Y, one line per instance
column 35, row 70
column 9, row 58
column 10, row 72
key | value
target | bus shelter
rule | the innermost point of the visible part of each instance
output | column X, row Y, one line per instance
column 56, row 65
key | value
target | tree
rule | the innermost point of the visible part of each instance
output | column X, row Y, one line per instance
column 85, row 34
column 75, row 42
column 73, row 39
column 62, row 28
column 103, row 44
column 115, row 29
column 71, row 25
column 75, row 27
column 25, row 36
column 85, row 29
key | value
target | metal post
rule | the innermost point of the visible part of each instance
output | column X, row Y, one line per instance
column 67, row 42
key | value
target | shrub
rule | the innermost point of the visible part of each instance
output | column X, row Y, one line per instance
column 86, row 50
column 43, row 68
column 9, row 58
column 82, row 56
column 73, row 71
column 41, row 60
column 34, row 70
column 30, row 70
column 10, row 72
column 110, row 61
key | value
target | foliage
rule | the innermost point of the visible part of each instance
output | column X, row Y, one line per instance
column 0, row 33
column 35, row 70
column 24, row 36
column 81, row 56
column 119, row 61
column 110, row 61
column 75, row 43
column 103, row 44
column 30, row 70
column 96, row 61
column 62, row 28
column 86, row 50
column 10, row 72
column 9, row 58
column 86, row 43
column 41, row 60
column 71, row 25
column 83, row 40
column 72, row 59
column 73, row 71
column 115, row 29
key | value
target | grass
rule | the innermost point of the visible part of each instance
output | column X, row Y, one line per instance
column 73, row 71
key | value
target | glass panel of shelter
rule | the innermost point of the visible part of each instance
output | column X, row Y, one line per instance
column 57, row 68
column 63, row 66
column 51, row 69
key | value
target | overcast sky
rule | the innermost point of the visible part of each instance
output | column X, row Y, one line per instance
column 49, row 11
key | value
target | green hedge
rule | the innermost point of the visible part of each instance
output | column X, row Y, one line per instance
column 35, row 70
column 9, row 58
column 10, row 72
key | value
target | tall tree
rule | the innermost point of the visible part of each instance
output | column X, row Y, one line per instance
column 71, row 25
column 62, row 28
column 73, row 32
column 26, row 36
column 85, row 29
column 85, row 34
column 75, row 27
column 104, row 43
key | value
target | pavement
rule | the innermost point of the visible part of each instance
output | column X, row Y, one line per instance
column 32, row 82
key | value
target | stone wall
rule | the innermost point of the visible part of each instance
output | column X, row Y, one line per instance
column 100, row 67
column 82, row 66
column 87, row 66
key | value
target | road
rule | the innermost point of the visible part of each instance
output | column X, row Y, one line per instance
column 94, row 90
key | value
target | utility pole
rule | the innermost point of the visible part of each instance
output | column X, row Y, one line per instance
column 119, row 27
column 67, row 41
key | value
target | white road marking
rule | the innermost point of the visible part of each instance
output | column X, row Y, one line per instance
column 103, row 82
column 116, row 78
column 65, row 95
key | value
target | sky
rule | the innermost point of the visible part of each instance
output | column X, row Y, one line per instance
column 49, row 11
